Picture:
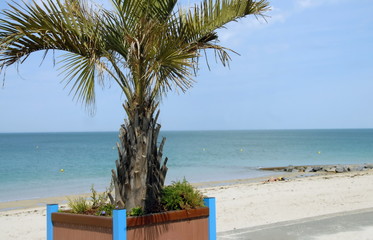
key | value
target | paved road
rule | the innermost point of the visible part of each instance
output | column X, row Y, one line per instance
column 349, row 225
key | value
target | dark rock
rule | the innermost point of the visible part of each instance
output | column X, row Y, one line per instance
column 317, row 169
column 330, row 169
column 309, row 169
column 289, row 169
column 356, row 168
column 361, row 168
column 369, row 166
column 301, row 169
column 340, row 169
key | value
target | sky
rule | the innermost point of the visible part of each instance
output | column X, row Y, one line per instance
column 308, row 66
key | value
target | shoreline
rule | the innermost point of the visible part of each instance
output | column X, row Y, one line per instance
column 35, row 203
column 288, row 173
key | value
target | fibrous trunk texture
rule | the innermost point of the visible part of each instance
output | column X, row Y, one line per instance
column 140, row 172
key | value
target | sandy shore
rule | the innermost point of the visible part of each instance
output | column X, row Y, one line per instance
column 240, row 204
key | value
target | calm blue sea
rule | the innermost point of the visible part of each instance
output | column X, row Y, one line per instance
column 30, row 163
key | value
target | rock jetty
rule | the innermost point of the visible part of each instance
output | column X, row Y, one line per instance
column 339, row 168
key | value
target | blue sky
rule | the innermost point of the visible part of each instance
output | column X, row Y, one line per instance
column 309, row 66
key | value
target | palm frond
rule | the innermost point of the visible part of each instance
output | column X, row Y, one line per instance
column 146, row 46
column 54, row 25
column 197, row 26
column 211, row 15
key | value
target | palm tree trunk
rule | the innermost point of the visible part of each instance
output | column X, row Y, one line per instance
column 140, row 173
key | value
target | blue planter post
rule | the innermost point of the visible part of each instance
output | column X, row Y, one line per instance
column 51, row 208
column 119, row 224
column 210, row 203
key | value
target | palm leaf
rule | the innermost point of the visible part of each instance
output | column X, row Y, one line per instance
column 55, row 26
column 147, row 46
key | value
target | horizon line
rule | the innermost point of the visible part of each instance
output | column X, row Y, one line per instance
column 197, row 130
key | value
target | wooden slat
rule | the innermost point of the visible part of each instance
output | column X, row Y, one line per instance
column 99, row 221
column 164, row 217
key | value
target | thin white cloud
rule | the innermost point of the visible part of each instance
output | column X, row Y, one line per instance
column 305, row 4
column 236, row 32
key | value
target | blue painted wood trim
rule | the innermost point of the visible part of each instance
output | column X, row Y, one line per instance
column 119, row 224
column 210, row 203
column 51, row 208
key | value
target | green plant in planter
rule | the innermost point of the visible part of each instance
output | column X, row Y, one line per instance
column 105, row 209
column 99, row 204
column 95, row 197
column 99, row 199
column 181, row 195
column 79, row 205
column 136, row 211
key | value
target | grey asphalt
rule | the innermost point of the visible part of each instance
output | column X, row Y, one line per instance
column 307, row 228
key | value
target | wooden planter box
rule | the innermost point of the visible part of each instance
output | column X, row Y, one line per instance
column 196, row 224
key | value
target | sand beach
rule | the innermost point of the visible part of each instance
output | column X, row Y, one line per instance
column 240, row 203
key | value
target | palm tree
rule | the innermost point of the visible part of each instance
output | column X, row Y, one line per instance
column 147, row 47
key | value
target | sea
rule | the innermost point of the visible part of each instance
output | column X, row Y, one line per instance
column 38, row 165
